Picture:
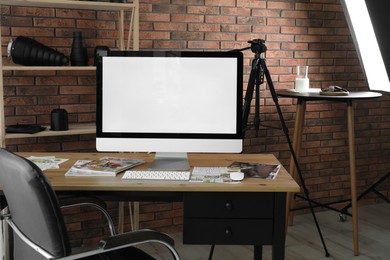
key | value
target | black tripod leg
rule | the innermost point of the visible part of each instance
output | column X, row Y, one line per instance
column 253, row 80
column 249, row 94
column 256, row 120
column 285, row 130
column 211, row 252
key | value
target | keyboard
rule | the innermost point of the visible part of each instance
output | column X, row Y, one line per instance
column 209, row 170
column 156, row 175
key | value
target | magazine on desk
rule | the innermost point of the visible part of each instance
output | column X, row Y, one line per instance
column 256, row 170
column 222, row 174
column 47, row 162
column 105, row 166
column 211, row 175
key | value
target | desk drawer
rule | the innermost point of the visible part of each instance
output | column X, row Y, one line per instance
column 228, row 205
column 227, row 231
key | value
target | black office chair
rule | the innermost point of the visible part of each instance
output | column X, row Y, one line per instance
column 36, row 219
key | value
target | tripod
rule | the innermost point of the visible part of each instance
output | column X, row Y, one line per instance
column 258, row 71
column 256, row 78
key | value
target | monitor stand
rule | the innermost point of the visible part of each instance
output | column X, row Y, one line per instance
column 170, row 161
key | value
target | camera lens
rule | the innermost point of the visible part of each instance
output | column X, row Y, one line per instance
column 29, row 52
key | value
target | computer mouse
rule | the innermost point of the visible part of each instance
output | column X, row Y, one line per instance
column 237, row 176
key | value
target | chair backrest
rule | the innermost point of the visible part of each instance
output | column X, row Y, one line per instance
column 33, row 204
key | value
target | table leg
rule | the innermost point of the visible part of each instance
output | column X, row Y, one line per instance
column 121, row 216
column 352, row 166
column 297, row 140
column 134, row 216
column 258, row 253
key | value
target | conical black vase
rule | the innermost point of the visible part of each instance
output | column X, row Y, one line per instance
column 78, row 55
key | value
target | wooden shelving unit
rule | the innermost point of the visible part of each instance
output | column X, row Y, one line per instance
column 124, row 44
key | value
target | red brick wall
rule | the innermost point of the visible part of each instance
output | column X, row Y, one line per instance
column 301, row 32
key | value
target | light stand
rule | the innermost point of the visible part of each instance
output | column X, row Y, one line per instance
column 259, row 69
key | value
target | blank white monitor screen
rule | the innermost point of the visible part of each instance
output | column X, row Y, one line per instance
column 170, row 102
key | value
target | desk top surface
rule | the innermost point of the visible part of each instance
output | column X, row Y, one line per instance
column 283, row 183
column 353, row 95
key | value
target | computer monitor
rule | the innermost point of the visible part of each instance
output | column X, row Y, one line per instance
column 171, row 103
column 369, row 22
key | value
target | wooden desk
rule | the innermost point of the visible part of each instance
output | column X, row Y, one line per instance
column 297, row 140
column 249, row 213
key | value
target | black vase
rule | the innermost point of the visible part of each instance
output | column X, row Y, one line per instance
column 78, row 55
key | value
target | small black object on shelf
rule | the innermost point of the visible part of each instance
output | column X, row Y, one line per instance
column 25, row 128
column 59, row 120
column 78, row 55
column 29, row 52
column 100, row 51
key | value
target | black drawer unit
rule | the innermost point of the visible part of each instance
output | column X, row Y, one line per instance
column 228, row 218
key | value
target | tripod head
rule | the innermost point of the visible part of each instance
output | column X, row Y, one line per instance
column 258, row 46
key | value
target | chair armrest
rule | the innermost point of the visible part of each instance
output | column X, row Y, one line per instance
column 68, row 201
column 137, row 237
column 140, row 237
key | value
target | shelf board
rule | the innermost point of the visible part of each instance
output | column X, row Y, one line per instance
column 74, row 129
column 122, row 8
column 71, row 4
column 49, row 68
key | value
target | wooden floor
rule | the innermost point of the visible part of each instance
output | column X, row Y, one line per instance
column 303, row 241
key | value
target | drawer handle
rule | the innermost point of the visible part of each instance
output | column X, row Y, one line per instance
column 229, row 205
column 228, row 232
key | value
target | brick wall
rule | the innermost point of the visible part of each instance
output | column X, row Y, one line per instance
column 300, row 32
